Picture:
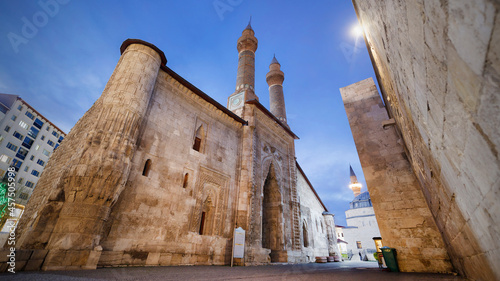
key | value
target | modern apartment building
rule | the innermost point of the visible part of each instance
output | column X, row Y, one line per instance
column 27, row 139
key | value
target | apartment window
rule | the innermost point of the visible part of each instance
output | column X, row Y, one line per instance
column 12, row 147
column 23, row 125
column 4, row 158
column 33, row 132
column 55, row 134
column 47, row 128
column 26, row 168
column 29, row 184
column 37, row 147
column 20, row 181
column 60, row 139
column 21, row 153
column 20, row 108
column 40, row 162
column 13, row 118
column 358, row 243
column 42, row 138
column 18, row 136
column 46, row 153
column 16, row 164
column 30, row 115
column 35, row 173
column 23, row 196
column 51, row 143
column 32, row 157
column 7, row 129
column 57, row 145
column 38, row 123
column 147, row 168
column 28, row 142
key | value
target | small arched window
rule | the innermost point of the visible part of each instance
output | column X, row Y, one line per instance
column 147, row 168
column 186, row 178
column 202, row 223
column 199, row 139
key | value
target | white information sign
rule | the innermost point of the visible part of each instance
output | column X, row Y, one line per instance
column 239, row 243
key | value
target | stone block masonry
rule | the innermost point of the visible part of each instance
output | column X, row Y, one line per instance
column 438, row 65
column 404, row 220
column 158, row 173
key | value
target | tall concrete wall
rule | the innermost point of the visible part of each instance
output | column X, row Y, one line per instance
column 403, row 218
column 438, row 66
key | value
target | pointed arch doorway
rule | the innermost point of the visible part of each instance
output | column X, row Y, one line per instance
column 272, row 218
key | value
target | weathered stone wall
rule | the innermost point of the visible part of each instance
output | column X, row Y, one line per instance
column 157, row 220
column 438, row 66
column 403, row 217
column 312, row 217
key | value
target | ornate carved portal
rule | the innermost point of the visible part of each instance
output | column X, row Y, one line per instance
column 210, row 210
column 272, row 217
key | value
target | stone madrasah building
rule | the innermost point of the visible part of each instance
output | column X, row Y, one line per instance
column 158, row 173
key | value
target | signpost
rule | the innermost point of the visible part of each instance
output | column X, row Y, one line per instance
column 238, row 244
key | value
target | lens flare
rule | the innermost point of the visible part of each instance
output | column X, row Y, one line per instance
column 357, row 31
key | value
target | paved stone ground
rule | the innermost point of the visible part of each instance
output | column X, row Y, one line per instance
column 344, row 271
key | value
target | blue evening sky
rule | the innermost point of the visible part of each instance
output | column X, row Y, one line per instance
column 59, row 58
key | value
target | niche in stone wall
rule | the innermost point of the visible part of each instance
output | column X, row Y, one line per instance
column 305, row 234
column 272, row 213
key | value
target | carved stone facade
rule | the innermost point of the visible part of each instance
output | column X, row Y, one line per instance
column 158, row 173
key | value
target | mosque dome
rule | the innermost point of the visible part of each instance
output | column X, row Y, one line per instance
column 361, row 201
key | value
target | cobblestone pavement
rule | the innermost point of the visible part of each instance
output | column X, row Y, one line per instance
column 329, row 271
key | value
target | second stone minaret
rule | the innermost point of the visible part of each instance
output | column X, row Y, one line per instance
column 245, row 79
column 275, row 79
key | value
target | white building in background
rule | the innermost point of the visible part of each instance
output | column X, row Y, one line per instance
column 27, row 139
column 361, row 224
column 341, row 243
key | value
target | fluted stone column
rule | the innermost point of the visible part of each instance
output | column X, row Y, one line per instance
column 93, row 181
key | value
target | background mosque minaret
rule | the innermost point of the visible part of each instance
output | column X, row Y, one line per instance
column 354, row 185
column 362, row 224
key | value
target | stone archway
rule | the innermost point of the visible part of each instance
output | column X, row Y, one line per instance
column 272, row 218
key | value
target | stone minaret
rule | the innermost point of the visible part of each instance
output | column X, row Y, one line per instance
column 354, row 184
column 275, row 78
column 245, row 79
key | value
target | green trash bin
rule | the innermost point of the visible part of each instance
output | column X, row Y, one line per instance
column 390, row 258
